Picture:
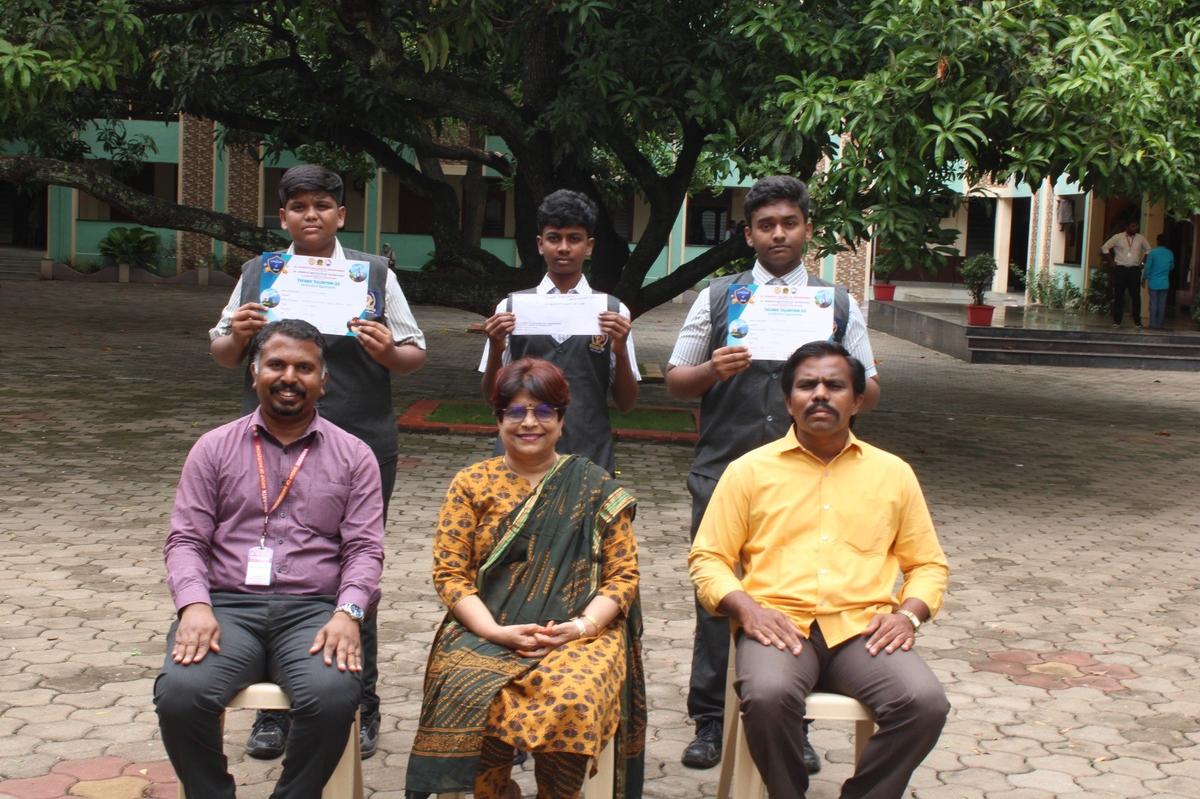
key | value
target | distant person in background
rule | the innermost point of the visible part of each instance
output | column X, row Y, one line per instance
column 1156, row 276
column 1126, row 251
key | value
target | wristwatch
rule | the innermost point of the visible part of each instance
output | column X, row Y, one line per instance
column 351, row 610
column 908, row 614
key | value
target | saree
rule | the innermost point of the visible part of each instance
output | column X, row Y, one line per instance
column 560, row 526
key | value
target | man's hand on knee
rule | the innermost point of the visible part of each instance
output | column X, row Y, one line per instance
column 767, row 626
column 197, row 633
column 889, row 632
column 340, row 639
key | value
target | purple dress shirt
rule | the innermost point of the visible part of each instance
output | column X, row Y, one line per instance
column 327, row 535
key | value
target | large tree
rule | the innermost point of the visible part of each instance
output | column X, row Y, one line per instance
column 892, row 98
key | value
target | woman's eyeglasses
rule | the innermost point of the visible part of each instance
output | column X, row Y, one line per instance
column 542, row 411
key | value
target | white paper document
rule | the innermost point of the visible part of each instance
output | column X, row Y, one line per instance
column 558, row 314
column 774, row 321
column 325, row 292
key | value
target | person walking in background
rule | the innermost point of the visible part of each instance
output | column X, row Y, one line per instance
column 1156, row 277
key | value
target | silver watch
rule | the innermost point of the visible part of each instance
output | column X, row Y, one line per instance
column 908, row 614
column 351, row 610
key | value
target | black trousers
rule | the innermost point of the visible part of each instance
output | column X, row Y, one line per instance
column 710, row 646
column 262, row 638
column 1127, row 279
column 370, row 625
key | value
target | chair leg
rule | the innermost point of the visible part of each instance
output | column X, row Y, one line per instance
column 346, row 780
column 863, row 730
column 600, row 786
column 730, row 728
column 747, row 782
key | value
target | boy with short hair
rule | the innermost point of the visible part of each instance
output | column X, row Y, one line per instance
column 741, row 408
column 358, row 396
column 1156, row 277
column 593, row 365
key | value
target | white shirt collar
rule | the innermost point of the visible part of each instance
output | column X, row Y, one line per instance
column 547, row 286
column 338, row 252
column 798, row 277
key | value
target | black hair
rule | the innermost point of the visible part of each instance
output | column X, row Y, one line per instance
column 1162, row 239
column 311, row 177
column 773, row 189
column 565, row 208
column 296, row 329
column 821, row 349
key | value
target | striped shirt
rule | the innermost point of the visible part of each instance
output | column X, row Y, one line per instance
column 692, row 346
column 397, row 315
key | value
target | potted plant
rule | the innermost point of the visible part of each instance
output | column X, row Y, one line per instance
column 130, row 246
column 977, row 273
column 883, row 266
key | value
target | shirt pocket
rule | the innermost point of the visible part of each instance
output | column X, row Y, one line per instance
column 324, row 507
column 868, row 533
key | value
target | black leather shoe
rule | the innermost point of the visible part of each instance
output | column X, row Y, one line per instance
column 368, row 735
column 812, row 761
column 268, row 736
column 705, row 749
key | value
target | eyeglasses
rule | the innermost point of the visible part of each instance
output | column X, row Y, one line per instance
column 542, row 411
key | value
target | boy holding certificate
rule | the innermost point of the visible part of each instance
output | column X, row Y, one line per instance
column 358, row 394
column 742, row 408
column 594, row 364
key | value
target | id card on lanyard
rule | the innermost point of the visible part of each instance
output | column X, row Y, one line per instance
column 259, row 559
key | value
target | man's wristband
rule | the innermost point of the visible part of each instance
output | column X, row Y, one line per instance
column 912, row 617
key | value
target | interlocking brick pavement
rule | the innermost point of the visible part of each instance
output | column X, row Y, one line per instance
column 1064, row 498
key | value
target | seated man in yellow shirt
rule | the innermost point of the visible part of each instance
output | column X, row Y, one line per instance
column 820, row 524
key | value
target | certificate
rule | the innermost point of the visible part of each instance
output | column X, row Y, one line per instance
column 773, row 321
column 326, row 292
column 558, row 314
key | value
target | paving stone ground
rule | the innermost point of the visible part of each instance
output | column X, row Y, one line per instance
column 1065, row 500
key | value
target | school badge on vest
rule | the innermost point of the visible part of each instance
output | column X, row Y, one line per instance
column 598, row 343
column 274, row 263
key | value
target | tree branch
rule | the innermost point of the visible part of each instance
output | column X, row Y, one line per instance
column 666, row 288
column 145, row 208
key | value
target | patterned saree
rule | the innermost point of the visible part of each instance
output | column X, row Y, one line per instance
column 560, row 525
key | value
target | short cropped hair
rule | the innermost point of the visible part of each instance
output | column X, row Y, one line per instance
column 821, row 349
column 1162, row 239
column 566, row 208
column 773, row 189
column 543, row 381
column 296, row 329
column 311, row 177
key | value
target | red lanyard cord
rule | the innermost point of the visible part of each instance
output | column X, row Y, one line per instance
column 270, row 508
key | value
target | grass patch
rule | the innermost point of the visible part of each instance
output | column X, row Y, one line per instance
column 671, row 421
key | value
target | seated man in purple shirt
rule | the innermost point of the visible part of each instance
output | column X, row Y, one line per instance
column 275, row 550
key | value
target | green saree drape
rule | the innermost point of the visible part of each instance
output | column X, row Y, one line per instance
column 561, row 523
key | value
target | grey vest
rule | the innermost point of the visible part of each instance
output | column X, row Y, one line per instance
column 358, row 395
column 586, row 362
column 747, row 410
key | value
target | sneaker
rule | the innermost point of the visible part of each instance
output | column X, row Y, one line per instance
column 368, row 735
column 705, row 749
column 812, row 761
column 268, row 736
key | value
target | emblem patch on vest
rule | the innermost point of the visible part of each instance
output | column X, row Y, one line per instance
column 373, row 303
column 275, row 264
column 598, row 343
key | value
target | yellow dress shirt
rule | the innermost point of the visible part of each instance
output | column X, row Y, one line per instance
column 819, row 541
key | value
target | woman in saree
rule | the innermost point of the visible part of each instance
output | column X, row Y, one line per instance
column 535, row 558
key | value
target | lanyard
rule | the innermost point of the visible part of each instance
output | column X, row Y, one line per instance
column 262, row 483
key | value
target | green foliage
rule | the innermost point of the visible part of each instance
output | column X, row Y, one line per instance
column 977, row 273
column 1058, row 293
column 1196, row 314
column 1099, row 293
column 135, row 246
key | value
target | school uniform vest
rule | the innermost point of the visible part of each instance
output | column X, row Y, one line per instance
column 747, row 410
column 587, row 363
column 358, row 394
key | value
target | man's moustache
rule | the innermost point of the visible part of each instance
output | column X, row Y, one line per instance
column 819, row 406
column 296, row 389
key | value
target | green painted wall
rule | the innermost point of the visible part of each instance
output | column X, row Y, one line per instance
column 60, row 219
column 87, row 243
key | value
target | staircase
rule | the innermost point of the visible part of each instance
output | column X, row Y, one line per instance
column 1116, row 350
column 19, row 264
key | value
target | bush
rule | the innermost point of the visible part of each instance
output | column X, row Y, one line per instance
column 1099, row 296
column 135, row 246
column 977, row 272
column 1196, row 314
column 1060, row 294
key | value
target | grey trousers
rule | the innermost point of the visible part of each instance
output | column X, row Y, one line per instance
column 908, row 701
column 262, row 638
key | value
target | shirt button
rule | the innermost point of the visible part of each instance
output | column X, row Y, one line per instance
column 823, row 571
column 823, row 538
column 826, row 507
column 282, row 569
column 278, row 540
column 770, row 418
column 283, row 515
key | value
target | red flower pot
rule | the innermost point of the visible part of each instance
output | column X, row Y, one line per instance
column 885, row 292
column 980, row 315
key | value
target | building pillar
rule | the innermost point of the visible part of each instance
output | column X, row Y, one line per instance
column 196, row 161
column 243, row 193
column 1002, row 243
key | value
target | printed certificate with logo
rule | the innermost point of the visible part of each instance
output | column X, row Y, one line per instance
column 325, row 292
column 773, row 321
column 558, row 314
